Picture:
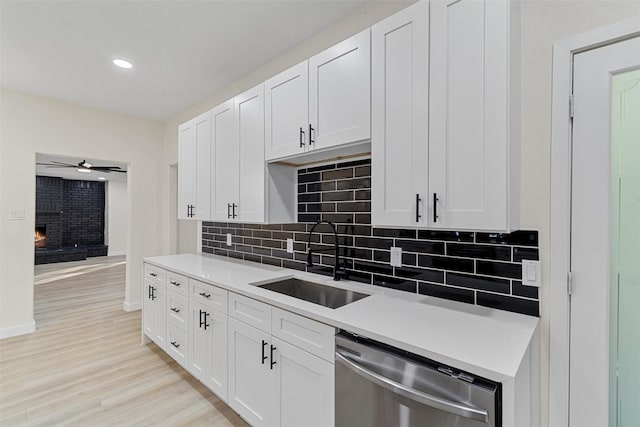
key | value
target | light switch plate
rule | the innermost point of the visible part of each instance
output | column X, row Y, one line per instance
column 531, row 273
column 396, row 256
column 16, row 214
column 290, row 246
column 228, row 239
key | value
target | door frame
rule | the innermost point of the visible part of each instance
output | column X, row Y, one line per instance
column 560, row 221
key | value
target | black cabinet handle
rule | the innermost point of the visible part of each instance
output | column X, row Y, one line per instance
column 152, row 274
column 175, row 310
column 202, row 294
column 153, row 293
column 233, row 210
column 418, row 200
column 149, row 294
column 264, row 357
column 435, row 207
column 228, row 210
column 188, row 211
column 273, row 362
column 201, row 322
column 175, row 344
column 174, row 283
column 206, row 325
column 311, row 140
column 301, row 138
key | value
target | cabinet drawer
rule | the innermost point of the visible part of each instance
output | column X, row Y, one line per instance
column 178, row 283
column 314, row 337
column 178, row 345
column 177, row 310
column 154, row 274
column 250, row 311
column 209, row 295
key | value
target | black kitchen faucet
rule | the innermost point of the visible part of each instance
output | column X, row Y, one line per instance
column 338, row 270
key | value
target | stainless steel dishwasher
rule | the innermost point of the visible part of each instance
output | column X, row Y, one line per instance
column 381, row 386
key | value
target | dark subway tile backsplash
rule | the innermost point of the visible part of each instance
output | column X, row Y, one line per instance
column 471, row 267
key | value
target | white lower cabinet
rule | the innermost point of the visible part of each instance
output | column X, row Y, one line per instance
column 208, row 347
column 273, row 367
column 273, row 382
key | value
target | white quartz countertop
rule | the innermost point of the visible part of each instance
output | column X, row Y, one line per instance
column 484, row 341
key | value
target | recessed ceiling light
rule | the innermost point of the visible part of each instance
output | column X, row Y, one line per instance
column 102, row 178
column 83, row 170
column 122, row 63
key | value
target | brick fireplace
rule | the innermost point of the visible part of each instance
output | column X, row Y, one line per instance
column 70, row 220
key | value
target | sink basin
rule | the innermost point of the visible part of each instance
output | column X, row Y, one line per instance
column 316, row 293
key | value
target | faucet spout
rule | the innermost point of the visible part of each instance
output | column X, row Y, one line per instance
column 337, row 270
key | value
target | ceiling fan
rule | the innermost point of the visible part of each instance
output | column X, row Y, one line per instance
column 83, row 166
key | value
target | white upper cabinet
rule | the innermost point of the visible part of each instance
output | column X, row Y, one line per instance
column 340, row 93
column 225, row 161
column 474, row 115
column 320, row 103
column 399, row 131
column 194, row 170
column 249, row 110
column 287, row 112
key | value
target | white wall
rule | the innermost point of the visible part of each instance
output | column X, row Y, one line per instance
column 117, row 216
column 30, row 124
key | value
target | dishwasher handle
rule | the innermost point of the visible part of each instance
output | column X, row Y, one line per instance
column 415, row 395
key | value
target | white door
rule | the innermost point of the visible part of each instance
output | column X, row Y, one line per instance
column 287, row 112
column 469, row 113
column 340, row 93
column 304, row 386
column 250, row 374
column 226, row 159
column 399, row 128
column 249, row 108
column 186, row 169
column 591, row 237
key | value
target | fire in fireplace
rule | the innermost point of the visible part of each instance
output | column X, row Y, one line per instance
column 41, row 237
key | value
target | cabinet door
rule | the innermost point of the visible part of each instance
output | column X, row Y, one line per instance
column 202, row 125
column 340, row 93
column 287, row 112
column 148, row 313
column 186, row 169
column 159, row 309
column 226, row 159
column 399, row 139
column 216, row 362
column 469, row 113
column 251, row 172
column 304, row 386
column 198, row 341
column 250, row 376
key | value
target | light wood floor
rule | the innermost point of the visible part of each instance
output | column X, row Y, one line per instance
column 85, row 366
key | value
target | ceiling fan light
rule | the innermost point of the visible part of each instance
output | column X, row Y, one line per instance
column 84, row 170
column 122, row 63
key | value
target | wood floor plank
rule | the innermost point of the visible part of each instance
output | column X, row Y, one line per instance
column 85, row 365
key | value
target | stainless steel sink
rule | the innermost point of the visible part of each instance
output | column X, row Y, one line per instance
column 316, row 293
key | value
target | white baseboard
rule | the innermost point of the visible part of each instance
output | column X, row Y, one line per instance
column 27, row 328
column 116, row 253
column 132, row 306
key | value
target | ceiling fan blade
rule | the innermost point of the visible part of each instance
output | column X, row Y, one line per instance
column 103, row 168
column 65, row 164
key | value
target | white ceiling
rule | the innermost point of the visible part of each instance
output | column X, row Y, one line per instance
column 46, row 166
column 182, row 51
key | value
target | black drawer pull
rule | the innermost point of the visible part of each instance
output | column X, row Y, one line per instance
column 273, row 362
column 203, row 294
column 152, row 274
column 435, row 207
column 174, row 283
column 264, row 357
column 175, row 344
column 175, row 310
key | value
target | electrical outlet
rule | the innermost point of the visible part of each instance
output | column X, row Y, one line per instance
column 396, row 256
column 531, row 273
column 228, row 239
column 290, row 246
